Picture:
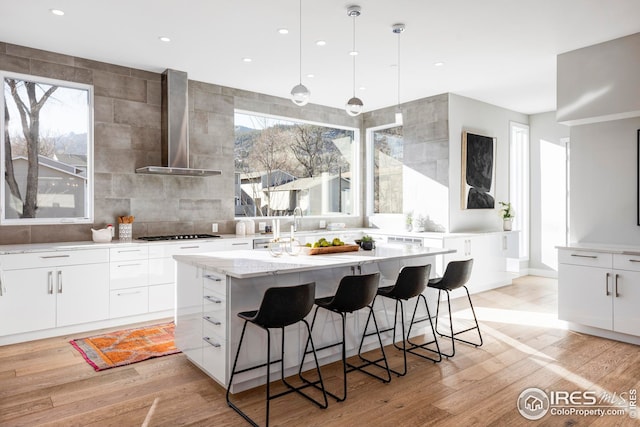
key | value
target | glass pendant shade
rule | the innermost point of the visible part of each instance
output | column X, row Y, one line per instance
column 300, row 95
column 354, row 106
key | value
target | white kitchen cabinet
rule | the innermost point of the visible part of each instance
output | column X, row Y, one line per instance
column 600, row 290
column 60, row 294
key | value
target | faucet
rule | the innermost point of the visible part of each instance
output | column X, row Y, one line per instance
column 297, row 221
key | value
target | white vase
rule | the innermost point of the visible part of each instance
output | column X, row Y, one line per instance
column 507, row 224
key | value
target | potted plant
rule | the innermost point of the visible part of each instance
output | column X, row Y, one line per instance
column 419, row 223
column 408, row 220
column 507, row 214
column 367, row 243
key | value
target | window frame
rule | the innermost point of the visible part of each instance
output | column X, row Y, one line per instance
column 356, row 182
column 370, row 155
column 520, row 185
column 88, row 217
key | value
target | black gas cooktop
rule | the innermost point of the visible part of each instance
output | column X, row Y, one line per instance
column 178, row 237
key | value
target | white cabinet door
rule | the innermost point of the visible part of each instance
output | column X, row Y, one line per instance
column 28, row 301
column 188, row 332
column 585, row 295
column 626, row 302
column 82, row 293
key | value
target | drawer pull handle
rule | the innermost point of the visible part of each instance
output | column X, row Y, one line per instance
column 128, row 265
column 606, row 287
column 50, row 280
column 127, row 293
column 55, row 256
column 616, row 286
column 214, row 344
column 585, row 256
column 214, row 278
column 59, row 281
column 634, row 260
column 213, row 299
column 239, row 244
column 212, row 321
column 189, row 247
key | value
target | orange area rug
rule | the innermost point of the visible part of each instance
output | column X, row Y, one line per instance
column 127, row 346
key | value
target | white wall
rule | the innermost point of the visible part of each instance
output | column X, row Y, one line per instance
column 603, row 182
column 600, row 82
column 466, row 114
column 543, row 129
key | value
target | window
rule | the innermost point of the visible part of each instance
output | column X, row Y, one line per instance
column 47, row 144
column 282, row 164
column 519, row 182
column 388, row 170
column 403, row 184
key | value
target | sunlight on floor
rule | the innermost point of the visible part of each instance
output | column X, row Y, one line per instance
column 515, row 343
column 515, row 317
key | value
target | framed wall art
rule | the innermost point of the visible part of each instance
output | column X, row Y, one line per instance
column 478, row 171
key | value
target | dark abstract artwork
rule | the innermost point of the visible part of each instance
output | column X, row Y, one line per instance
column 478, row 167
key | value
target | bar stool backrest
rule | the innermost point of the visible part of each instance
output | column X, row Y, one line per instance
column 456, row 275
column 283, row 306
column 411, row 281
column 355, row 292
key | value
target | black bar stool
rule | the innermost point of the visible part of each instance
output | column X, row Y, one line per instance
column 280, row 307
column 455, row 276
column 354, row 293
column 411, row 282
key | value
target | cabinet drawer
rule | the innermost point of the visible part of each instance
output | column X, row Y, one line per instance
column 214, row 358
column 586, row 258
column 129, row 253
column 213, row 325
column 626, row 262
column 53, row 258
column 162, row 297
column 128, row 302
column 214, row 305
column 215, row 282
column 128, row 274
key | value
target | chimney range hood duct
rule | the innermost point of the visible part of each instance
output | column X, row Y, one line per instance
column 175, row 129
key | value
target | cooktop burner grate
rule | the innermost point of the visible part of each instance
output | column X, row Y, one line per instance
column 178, row 237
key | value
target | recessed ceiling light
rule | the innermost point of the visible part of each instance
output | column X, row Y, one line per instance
column 353, row 53
column 247, row 59
column 56, row 12
column 321, row 43
column 164, row 39
column 283, row 31
column 438, row 64
column 311, row 76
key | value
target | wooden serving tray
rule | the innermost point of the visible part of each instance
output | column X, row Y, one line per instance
column 331, row 249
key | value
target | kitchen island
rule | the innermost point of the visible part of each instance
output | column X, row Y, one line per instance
column 213, row 287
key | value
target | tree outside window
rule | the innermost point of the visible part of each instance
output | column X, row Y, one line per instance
column 282, row 164
column 46, row 145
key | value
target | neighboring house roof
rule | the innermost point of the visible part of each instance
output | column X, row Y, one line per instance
column 78, row 160
column 55, row 165
column 263, row 175
column 305, row 183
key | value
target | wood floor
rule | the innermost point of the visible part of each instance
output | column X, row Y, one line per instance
column 48, row 383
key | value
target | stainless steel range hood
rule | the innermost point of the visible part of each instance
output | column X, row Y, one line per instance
column 175, row 129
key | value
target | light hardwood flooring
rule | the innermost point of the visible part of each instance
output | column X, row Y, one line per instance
column 48, row 383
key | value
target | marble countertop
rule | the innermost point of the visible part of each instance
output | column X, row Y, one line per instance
column 244, row 264
column 602, row 247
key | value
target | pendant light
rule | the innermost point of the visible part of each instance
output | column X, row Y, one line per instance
column 300, row 94
column 354, row 105
column 398, row 29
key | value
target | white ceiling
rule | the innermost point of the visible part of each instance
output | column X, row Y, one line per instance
column 499, row 51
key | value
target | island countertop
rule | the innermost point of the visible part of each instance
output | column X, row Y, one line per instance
column 244, row 264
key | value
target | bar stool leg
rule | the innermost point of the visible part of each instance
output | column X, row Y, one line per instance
column 414, row 346
column 233, row 371
column 373, row 362
column 453, row 337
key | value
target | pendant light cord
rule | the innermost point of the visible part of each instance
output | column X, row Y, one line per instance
column 399, row 69
column 354, row 55
column 300, row 39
